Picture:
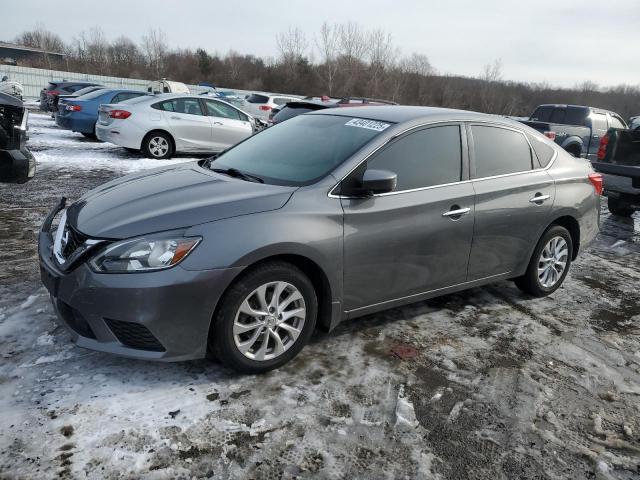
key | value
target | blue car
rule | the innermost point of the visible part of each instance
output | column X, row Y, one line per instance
column 81, row 114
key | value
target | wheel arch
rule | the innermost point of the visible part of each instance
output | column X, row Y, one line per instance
column 160, row 130
column 312, row 270
column 573, row 226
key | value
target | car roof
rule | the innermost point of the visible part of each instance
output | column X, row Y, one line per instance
column 403, row 114
column 565, row 105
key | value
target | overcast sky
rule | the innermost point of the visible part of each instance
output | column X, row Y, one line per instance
column 562, row 42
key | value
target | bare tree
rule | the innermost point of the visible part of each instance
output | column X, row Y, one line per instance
column 154, row 44
column 327, row 45
column 292, row 45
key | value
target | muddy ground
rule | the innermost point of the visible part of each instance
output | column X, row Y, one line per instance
column 484, row 384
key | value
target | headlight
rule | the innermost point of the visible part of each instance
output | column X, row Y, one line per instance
column 143, row 254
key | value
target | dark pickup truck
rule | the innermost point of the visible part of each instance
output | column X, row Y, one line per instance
column 575, row 128
column 619, row 163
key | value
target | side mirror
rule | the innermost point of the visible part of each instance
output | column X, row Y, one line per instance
column 377, row 181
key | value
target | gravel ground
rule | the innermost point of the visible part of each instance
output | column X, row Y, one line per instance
column 484, row 384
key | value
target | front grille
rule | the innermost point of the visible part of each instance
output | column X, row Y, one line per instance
column 74, row 239
column 75, row 320
column 134, row 335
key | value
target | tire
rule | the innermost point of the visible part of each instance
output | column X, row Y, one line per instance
column 619, row 207
column 132, row 150
column 536, row 283
column 157, row 145
column 226, row 331
column 91, row 135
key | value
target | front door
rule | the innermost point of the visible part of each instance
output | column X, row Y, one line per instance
column 513, row 200
column 418, row 237
column 230, row 126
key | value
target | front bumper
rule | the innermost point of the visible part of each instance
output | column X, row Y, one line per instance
column 161, row 315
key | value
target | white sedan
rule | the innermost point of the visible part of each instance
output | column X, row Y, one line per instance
column 161, row 125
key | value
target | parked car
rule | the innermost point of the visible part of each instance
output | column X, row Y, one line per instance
column 575, row 128
column 299, row 107
column 49, row 95
column 619, row 162
column 17, row 164
column 634, row 123
column 81, row 114
column 260, row 104
column 328, row 216
column 79, row 93
column 166, row 86
column 161, row 125
column 15, row 89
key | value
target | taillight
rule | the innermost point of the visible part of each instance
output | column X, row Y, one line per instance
column 596, row 181
column 120, row 114
column 551, row 135
column 53, row 92
column 73, row 108
column 602, row 149
column 265, row 108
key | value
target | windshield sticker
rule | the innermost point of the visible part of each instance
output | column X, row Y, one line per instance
column 368, row 124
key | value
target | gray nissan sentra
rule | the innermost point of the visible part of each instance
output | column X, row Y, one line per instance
column 326, row 217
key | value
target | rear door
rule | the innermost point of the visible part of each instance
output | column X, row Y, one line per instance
column 407, row 242
column 190, row 127
column 230, row 126
column 513, row 200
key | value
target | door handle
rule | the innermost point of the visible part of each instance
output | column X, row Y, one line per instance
column 457, row 212
column 539, row 199
column 217, row 123
column 173, row 117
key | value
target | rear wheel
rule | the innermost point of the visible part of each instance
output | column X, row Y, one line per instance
column 157, row 145
column 91, row 135
column 264, row 319
column 620, row 207
column 549, row 263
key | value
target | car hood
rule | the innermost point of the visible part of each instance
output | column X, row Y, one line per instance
column 167, row 198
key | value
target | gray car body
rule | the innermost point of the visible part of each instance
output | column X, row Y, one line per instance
column 363, row 254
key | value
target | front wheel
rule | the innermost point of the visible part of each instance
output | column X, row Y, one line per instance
column 264, row 319
column 619, row 207
column 549, row 263
column 157, row 145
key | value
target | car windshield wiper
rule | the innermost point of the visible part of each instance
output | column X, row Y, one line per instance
column 234, row 172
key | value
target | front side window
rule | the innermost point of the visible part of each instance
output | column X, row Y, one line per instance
column 218, row 109
column 297, row 152
column 499, row 151
column 189, row 106
column 557, row 116
column 542, row 114
column 425, row 158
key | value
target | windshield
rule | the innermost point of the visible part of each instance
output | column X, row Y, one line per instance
column 302, row 150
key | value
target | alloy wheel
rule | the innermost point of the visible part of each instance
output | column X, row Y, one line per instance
column 553, row 262
column 269, row 321
column 158, row 146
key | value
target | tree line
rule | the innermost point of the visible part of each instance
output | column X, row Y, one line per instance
column 339, row 60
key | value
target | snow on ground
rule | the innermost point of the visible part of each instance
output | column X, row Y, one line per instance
column 485, row 384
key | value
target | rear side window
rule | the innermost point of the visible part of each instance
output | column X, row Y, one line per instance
column 544, row 151
column 429, row 157
column 189, row 106
column 616, row 122
column 576, row 116
column 499, row 151
column 599, row 121
column 256, row 98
